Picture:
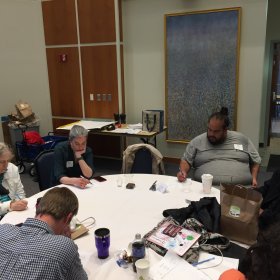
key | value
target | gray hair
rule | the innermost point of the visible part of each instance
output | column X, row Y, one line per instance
column 5, row 148
column 77, row 131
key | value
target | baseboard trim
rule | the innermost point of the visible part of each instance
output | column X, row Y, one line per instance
column 171, row 160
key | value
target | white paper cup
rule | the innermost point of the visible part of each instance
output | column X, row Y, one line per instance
column 207, row 180
column 142, row 268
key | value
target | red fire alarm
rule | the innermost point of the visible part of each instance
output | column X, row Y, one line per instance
column 63, row 57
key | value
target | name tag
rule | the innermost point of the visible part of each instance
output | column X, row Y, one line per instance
column 69, row 164
column 238, row 147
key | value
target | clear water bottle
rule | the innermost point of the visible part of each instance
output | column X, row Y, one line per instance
column 138, row 249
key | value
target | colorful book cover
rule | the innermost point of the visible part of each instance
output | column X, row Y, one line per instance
column 174, row 237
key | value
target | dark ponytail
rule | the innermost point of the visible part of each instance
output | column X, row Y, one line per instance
column 222, row 115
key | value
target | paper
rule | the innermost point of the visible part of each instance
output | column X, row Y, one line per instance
column 86, row 124
column 173, row 267
column 217, row 266
column 126, row 130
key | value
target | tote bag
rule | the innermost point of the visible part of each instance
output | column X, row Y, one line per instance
column 239, row 213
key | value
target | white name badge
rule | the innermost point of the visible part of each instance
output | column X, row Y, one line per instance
column 238, row 147
column 69, row 164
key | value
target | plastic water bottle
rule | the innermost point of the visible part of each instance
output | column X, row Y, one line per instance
column 138, row 249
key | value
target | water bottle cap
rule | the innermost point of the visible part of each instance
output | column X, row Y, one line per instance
column 137, row 236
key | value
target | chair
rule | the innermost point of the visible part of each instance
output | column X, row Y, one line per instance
column 142, row 158
column 142, row 162
column 44, row 164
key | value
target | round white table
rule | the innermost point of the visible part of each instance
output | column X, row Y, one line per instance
column 125, row 212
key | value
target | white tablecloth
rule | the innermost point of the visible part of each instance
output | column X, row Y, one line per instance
column 125, row 212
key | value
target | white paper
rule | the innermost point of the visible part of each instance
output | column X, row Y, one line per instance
column 173, row 267
column 214, row 268
column 86, row 124
column 126, row 130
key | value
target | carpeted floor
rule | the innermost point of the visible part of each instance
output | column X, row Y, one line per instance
column 273, row 163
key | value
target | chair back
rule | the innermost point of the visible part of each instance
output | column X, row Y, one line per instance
column 143, row 162
column 44, row 164
column 142, row 158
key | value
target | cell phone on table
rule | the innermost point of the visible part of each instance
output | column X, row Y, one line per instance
column 130, row 186
column 99, row 178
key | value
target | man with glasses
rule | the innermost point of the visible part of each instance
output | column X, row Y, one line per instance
column 73, row 160
column 228, row 155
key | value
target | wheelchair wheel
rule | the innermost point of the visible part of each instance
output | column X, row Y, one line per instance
column 32, row 171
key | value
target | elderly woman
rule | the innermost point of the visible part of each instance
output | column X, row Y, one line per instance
column 73, row 160
column 11, row 188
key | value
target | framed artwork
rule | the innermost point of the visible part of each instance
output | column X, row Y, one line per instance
column 201, row 69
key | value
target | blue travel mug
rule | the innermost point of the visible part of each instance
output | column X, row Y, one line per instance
column 102, row 242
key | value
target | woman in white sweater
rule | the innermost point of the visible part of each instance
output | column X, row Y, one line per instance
column 11, row 189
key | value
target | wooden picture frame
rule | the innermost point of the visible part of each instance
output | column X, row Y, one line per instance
column 201, row 68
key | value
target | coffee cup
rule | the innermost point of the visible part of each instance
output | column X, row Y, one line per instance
column 102, row 242
column 142, row 269
column 207, row 180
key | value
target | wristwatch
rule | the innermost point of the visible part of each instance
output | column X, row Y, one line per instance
column 79, row 158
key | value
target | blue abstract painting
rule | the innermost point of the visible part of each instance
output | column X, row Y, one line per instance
column 202, row 53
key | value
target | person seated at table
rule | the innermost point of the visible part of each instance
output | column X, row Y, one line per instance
column 11, row 189
column 228, row 155
column 73, row 160
column 262, row 260
column 41, row 248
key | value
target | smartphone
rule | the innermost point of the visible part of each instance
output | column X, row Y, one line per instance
column 130, row 186
column 99, row 178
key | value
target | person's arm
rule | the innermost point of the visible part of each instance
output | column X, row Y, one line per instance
column 183, row 170
column 78, row 182
column 254, row 171
column 13, row 183
column 255, row 161
column 85, row 161
column 76, row 270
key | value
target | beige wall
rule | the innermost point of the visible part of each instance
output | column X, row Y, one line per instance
column 23, row 70
column 143, row 25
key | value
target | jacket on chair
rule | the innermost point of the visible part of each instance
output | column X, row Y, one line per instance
column 129, row 156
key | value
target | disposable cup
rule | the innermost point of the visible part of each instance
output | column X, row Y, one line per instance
column 207, row 180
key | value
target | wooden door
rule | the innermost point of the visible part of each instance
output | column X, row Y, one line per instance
column 96, row 21
column 100, row 82
column 59, row 19
column 64, row 82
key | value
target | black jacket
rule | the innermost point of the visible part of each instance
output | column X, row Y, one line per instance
column 271, row 200
column 207, row 211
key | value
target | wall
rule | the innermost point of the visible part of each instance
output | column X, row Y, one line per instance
column 272, row 35
column 23, row 69
column 143, row 28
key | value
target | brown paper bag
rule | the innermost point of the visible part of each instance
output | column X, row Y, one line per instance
column 239, row 213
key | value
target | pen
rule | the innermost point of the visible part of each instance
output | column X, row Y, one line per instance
column 204, row 261
column 153, row 187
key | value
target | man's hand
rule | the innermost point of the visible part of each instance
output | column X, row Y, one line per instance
column 18, row 205
column 254, row 182
column 78, row 154
column 181, row 175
